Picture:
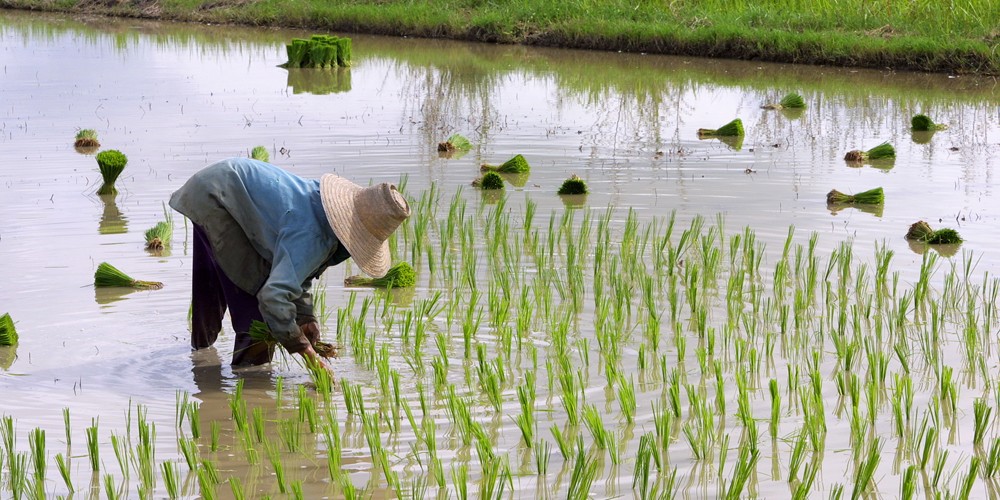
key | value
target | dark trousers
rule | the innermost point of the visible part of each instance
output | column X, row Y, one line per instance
column 212, row 292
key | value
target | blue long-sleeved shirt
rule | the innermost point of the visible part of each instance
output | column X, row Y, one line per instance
column 269, row 234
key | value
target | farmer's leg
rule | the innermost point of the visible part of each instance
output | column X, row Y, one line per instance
column 243, row 310
column 208, row 302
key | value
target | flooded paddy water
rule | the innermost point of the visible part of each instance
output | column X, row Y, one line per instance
column 702, row 324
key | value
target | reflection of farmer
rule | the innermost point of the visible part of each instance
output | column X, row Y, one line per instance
column 261, row 235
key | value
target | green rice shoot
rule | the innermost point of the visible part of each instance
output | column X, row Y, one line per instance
column 870, row 197
column 456, row 142
column 110, row 276
column 573, row 185
column 86, row 138
column 400, row 275
column 8, row 334
column 731, row 129
column 260, row 153
column 515, row 165
column 923, row 123
column 111, row 162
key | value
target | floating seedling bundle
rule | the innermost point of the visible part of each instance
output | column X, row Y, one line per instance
column 573, row 186
column 515, row 165
column 260, row 332
column 923, row 232
column 790, row 101
column 110, row 276
column 455, row 143
column 490, row 181
column 158, row 236
column 883, row 151
column 871, row 197
column 86, row 138
column 260, row 153
column 731, row 129
column 8, row 334
column 399, row 276
column 319, row 51
column 111, row 162
column 923, row 123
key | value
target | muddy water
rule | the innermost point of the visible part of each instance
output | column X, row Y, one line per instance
column 175, row 98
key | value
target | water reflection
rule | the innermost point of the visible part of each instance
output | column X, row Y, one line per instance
column 319, row 81
column 8, row 354
column 573, row 201
column 113, row 221
column 944, row 249
column 109, row 295
column 876, row 210
column 922, row 136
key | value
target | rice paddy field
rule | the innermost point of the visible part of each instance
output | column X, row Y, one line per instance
column 702, row 324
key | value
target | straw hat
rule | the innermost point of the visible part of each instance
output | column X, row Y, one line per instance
column 363, row 219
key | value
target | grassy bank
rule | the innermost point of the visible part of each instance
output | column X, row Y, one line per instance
column 917, row 35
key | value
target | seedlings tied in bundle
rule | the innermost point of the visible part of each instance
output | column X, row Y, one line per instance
column 319, row 51
column 790, row 101
column 158, row 236
column 109, row 276
column 731, row 129
column 883, row 151
column 921, row 231
column 8, row 334
column 86, row 138
column 515, row 165
column 260, row 153
column 923, row 123
column 399, row 276
column 111, row 162
column 260, row 332
column 457, row 142
column 871, row 197
column 489, row 181
column 573, row 185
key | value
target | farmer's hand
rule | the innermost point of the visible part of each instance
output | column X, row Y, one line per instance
column 311, row 358
column 311, row 331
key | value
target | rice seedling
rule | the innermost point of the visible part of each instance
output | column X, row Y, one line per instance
column 923, row 123
column 982, row 414
column 515, row 165
column 455, row 143
column 111, row 163
column 573, row 186
column 8, row 334
column 36, row 442
column 883, row 151
column 290, row 434
column 260, row 153
column 870, row 197
column 158, row 237
column 731, row 129
column 921, row 231
column 274, row 457
column 189, row 449
column 745, row 466
column 93, row 449
column 584, row 472
column 213, row 444
column 62, row 463
column 111, row 490
column 109, row 276
column 237, row 488
column 86, row 138
column 171, row 478
column 207, row 481
column 400, row 275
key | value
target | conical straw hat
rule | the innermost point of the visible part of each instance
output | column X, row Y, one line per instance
column 363, row 219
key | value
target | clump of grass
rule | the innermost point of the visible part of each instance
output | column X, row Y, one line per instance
column 8, row 334
column 400, row 275
column 871, row 197
column 260, row 153
column 110, row 276
column 573, row 185
column 490, row 181
column 923, row 123
column 883, row 151
column 456, row 142
column 86, row 138
column 111, row 162
column 923, row 232
column 515, row 165
column 790, row 101
column 731, row 129
column 158, row 236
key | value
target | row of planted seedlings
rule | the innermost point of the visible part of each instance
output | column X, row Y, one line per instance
column 590, row 352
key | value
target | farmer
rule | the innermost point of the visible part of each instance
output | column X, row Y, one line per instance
column 261, row 235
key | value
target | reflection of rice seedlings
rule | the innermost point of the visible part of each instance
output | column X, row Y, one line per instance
column 109, row 276
column 8, row 334
column 111, row 162
column 86, row 138
column 883, row 151
column 731, row 129
column 400, row 275
column 515, row 165
column 923, row 123
column 260, row 153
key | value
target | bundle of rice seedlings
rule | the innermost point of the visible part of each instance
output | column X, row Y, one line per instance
column 573, row 185
column 515, row 165
column 86, row 138
column 457, row 142
column 8, row 334
column 790, row 101
column 922, row 232
column 109, row 276
column 260, row 332
column 399, row 276
column 319, row 51
column 297, row 52
column 731, row 129
column 489, row 181
column 923, row 123
column 870, row 197
column 111, row 162
column 260, row 153
column 883, row 151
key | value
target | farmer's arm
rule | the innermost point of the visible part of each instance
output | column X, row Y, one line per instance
column 304, row 315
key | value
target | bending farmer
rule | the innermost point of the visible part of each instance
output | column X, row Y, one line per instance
column 261, row 235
